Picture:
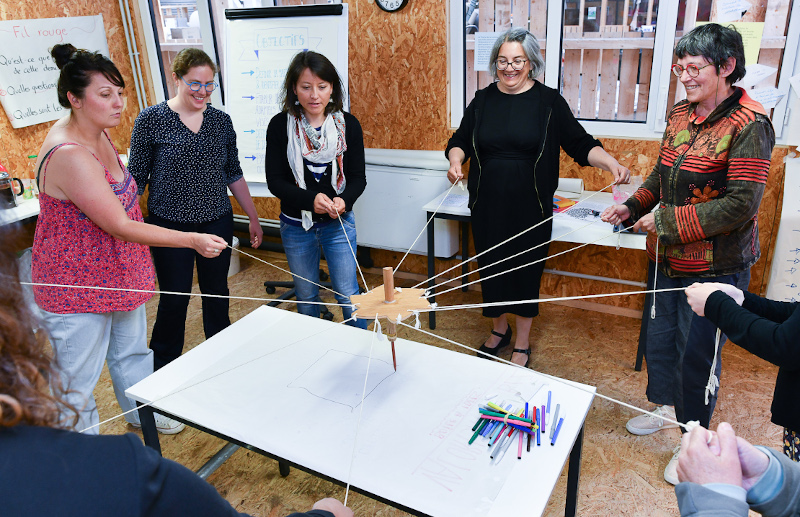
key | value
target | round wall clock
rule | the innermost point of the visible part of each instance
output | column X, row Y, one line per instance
column 391, row 6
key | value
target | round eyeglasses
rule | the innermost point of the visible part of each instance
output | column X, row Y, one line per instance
column 196, row 85
column 517, row 64
column 692, row 70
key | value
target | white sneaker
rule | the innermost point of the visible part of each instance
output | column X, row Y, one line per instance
column 671, row 472
column 648, row 424
column 165, row 425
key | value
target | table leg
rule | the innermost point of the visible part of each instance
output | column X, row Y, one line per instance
column 573, row 475
column 431, row 266
column 149, row 431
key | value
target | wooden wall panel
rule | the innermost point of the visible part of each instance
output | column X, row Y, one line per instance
column 398, row 74
column 17, row 144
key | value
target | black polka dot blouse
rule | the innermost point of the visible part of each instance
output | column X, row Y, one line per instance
column 188, row 172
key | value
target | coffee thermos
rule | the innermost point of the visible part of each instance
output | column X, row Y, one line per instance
column 8, row 197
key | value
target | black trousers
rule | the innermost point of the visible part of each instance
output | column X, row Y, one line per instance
column 175, row 270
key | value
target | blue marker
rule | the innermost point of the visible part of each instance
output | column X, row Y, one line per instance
column 548, row 401
column 538, row 430
column 558, row 428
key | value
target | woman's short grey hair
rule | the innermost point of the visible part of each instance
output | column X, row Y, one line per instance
column 717, row 44
column 529, row 45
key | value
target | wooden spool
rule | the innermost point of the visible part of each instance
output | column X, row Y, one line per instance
column 386, row 302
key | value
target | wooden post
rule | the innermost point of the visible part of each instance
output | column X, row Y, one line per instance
column 388, row 285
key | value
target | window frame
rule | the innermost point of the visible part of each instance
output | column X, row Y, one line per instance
column 655, row 122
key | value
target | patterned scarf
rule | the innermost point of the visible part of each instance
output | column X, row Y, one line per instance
column 326, row 147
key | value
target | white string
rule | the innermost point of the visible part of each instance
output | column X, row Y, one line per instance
column 510, row 238
column 360, row 411
column 522, row 266
column 149, row 291
column 358, row 267
column 514, row 256
column 175, row 392
column 556, row 379
column 287, row 271
column 425, row 226
column 713, row 380
column 544, row 300
column 655, row 279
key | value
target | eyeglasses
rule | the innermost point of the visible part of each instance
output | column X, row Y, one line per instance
column 196, row 85
column 692, row 70
column 517, row 64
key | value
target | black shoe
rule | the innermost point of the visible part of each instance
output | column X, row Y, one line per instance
column 526, row 351
column 505, row 340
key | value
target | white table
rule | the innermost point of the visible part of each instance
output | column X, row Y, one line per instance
column 290, row 387
column 27, row 209
column 565, row 228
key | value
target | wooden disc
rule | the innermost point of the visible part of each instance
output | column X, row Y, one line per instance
column 373, row 303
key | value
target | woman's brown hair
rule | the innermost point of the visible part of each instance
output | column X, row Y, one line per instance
column 27, row 373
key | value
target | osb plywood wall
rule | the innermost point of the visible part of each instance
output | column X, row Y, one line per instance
column 17, row 144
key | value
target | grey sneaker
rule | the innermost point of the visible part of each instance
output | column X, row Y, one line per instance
column 671, row 472
column 649, row 424
column 165, row 425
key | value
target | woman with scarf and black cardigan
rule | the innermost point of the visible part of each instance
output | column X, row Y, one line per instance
column 767, row 329
column 512, row 133
column 315, row 166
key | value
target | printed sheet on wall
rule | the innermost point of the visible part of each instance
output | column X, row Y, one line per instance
column 28, row 75
column 259, row 44
column 784, row 278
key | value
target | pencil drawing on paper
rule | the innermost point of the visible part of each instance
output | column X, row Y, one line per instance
column 338, row 377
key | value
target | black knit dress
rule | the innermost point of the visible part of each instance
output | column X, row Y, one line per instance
column 506, row 201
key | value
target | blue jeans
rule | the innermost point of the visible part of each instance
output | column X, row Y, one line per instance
column 680, row 350
column 302, row 251
column 82, row 342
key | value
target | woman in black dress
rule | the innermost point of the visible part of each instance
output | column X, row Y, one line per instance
column 513, row 132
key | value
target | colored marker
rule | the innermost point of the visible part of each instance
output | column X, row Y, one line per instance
column 529, row 434
column 539, row 429
column 519, row 447
column 558, row 428
column 478, row 431
column 543, row 419
column 505, row 448
column 548, row 401
column 558, row 408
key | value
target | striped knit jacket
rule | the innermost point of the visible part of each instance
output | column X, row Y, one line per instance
column 707, row 183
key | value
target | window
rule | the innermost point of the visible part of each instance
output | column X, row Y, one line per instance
column 615, row 55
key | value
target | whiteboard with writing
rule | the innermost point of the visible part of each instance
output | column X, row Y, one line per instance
column 258, row 51
column 28, row 75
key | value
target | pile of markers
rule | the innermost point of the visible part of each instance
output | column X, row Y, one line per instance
column 503, row 426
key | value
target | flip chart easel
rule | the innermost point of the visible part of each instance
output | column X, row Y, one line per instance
column 28, row 75
column 259, row 43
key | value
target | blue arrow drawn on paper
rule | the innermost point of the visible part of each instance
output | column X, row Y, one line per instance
column 251, row 157
column 791, row 270
column 248, row 73
column 248, row 97
column 251, row 131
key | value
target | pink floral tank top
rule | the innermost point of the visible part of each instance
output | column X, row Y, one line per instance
column 69, row 249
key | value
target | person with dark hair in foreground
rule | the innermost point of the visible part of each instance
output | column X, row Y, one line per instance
column 721, row 474
column 46, row 469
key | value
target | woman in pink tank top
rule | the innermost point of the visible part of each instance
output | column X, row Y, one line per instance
column 90, row 246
